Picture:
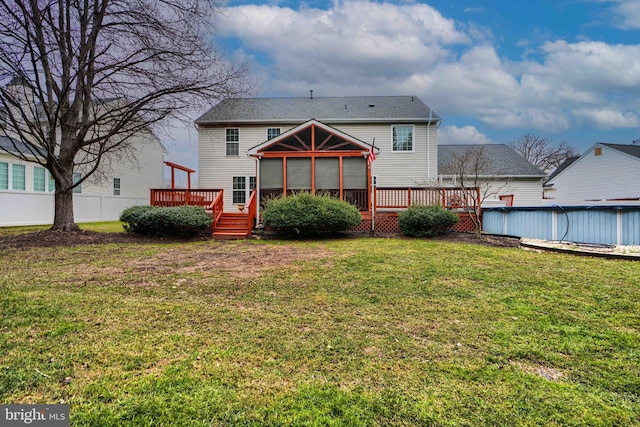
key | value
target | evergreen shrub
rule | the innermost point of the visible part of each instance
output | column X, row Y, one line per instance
column 307, row 214
column 426, row 221
column 179, row 221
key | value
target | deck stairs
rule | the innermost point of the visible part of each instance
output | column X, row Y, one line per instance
column 232, row 226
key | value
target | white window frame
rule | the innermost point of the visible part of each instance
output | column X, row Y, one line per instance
column 250, row 183
column 44, row 179
column 12, row 181
column 279, row 130
column 51, row 183
column 232, row 141
column 76, row 178
column 117, row 189
column 239, row 190
column 413, row 138
column 8, row 175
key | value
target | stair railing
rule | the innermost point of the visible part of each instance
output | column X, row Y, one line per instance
column 217, row 208
column 252, row 210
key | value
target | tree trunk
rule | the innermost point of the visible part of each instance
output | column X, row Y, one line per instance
column 63, row 217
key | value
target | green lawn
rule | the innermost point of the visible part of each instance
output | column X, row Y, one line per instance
column 336, row 332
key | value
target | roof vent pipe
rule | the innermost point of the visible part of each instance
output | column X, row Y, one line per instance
column 311, row 94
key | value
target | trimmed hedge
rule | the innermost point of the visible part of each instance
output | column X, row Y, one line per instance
column 307, row 214
column 426, row 221
column 179, row 221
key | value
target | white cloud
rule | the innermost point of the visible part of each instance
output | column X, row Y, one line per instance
column 627, row 14
column 358, row 42
column 609, row 119
column 463, row 135
column 365, row 48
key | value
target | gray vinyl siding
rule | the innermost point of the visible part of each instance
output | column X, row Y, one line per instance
column 591, row 178
column 216, row 169
column 400, row 169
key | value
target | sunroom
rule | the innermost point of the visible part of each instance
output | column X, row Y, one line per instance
column 317, row 158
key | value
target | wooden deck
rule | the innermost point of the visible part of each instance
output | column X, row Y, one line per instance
column 387, row 201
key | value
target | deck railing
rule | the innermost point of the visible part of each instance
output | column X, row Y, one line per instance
column 356, row 196
column 450, row 198
column 167, row 197
column 252, row 208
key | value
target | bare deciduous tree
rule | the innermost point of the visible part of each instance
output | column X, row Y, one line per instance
column 542, row 152
column 88, row 75
column 471, row 168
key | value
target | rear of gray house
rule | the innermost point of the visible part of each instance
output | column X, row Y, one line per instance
column 285, row 145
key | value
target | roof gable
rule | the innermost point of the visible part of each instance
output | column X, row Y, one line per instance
column 632, row 151
column 328, row 110
column 311, row 136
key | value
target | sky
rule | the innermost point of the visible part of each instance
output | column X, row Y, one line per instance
column 493, row 70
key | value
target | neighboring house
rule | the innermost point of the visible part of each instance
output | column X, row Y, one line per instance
column 604, row 174
column 27, row 189
column 290, row 144
column 503, row 176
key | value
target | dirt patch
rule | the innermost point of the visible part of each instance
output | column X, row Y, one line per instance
column 48, row 238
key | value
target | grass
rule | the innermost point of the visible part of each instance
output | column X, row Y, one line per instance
column 340, row 332
column 105, row 227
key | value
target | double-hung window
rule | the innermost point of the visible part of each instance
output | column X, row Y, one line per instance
column 240, row 191
column 402, row 137
column 233, row 142
column 116, row 186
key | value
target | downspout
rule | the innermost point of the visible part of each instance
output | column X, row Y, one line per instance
column 257, row 160
column 428, row 156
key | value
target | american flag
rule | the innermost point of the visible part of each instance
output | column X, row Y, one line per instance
column 371, row 156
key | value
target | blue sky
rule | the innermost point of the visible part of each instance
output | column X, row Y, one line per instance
column 493, row 70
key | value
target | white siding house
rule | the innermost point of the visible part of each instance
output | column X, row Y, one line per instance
column 503, row 176
column 27, row 189
column 402, row 130
column 604, row 174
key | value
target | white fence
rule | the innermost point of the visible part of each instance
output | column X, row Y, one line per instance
column 24, row 208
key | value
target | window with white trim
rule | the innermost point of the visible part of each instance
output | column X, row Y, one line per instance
column 76, row 178
column 272, row 132
column 402, row 137
column 39, row 179
column 116, row 186
column 233, row 142
column 4, row 176
column 239, row 190
column 18, row 177
column 52, row 182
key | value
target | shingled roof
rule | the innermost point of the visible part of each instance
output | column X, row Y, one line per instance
column 332, row 110
column 504, row 161
column 632, row 150
column 7, row 144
